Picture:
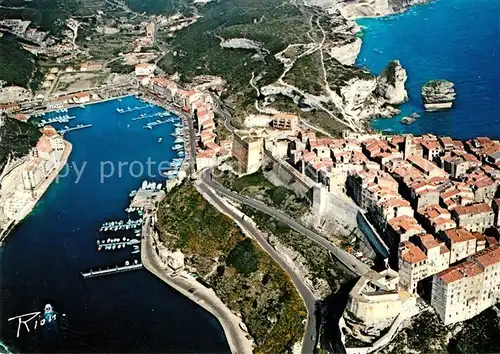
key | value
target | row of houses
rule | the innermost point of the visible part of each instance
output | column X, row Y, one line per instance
column 209, row 150
column 432, row 199
column 44, row 159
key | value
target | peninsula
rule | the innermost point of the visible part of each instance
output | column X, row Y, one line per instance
column 281, row 214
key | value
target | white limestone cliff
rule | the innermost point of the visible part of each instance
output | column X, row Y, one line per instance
column 391, row 84
column 352, row 9
column 358, row 99
column 346, row 53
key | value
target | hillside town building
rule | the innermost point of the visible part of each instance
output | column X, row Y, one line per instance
column 474, row 217
column 432, row 200
column 466, row 289
column 285, row 121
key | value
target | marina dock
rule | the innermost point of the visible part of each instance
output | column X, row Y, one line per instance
column 146, row 116
column 120, row 225
column 59, row 119
column 70, row 129
column 156, row 123
column 132, row 109
column 117, row 245
column 111, row 270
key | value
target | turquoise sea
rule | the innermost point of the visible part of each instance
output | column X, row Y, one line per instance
column 457, row 40
column 41, row 260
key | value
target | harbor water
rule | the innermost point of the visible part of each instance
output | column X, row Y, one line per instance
column 456, row 40
column 42, row 259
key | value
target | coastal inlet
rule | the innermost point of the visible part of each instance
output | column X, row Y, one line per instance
column 43, row 257
column 439, row 41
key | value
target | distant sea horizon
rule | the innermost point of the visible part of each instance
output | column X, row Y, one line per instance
column 441, row 40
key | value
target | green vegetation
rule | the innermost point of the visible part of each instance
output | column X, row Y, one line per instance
column 119, row 67
column 165, row 7
column 247, row 184
column 196, row 50
column 17, row 66
column 307, row 75
column 16, row 139
column 390, row 73
column 438, row 83
column 241, row 274
column 338, row 75
column 243, row 257
column 278, row 195
column 317, row 259
column 318, row 118
column 49, row 15
column 324, row 121
column 108, row 47
column 257, row 186
column 427, row 334
column 479, row 335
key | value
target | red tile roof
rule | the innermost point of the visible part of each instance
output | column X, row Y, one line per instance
column 404, row 223
column 458, row 235
column 411, row 253
column 428, row 241
column 459, row 271
column 434, row 211
column 205, row 154
column 477, row 208
column 488, row 256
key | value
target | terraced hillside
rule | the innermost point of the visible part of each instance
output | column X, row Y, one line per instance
column 272, row 24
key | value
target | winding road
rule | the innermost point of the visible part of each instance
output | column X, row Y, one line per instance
column 310, row 336
column 351, row 262
column 220, row 109
column 212, row 191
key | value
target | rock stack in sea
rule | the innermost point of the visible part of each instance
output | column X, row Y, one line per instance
column 391, row 84
column 438, row 94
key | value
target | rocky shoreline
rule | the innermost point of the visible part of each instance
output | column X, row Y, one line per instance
column 349, row 94
column 390, row 88
column 438, row 95
column 238, row 339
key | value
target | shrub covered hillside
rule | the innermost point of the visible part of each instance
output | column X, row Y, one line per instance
column 427, row 334
column 242, row 275
column 16, row 139
column 17, row 66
